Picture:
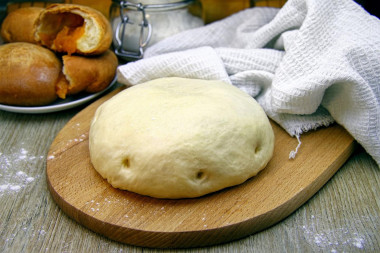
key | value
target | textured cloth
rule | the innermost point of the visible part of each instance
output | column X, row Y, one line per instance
column 308, row 64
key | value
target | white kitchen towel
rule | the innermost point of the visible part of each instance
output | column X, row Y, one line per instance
column 308, row 64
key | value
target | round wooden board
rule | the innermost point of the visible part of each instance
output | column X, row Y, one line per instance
column 277, row 191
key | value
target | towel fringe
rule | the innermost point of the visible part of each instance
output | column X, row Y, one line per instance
column 293, row 153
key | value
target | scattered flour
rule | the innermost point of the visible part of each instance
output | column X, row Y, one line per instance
column 333, row 238
column 13, row 167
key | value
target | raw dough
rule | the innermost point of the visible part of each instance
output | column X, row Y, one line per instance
column 180, row 138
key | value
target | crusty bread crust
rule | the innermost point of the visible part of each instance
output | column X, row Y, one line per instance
column 18, row 26
column 90, row 74
column 28, row 74
column 95, row 39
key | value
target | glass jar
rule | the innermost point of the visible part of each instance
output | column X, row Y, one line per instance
column 137, row 24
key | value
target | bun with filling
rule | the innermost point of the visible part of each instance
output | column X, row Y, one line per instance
column 71, row 28
column 28, row 74
column 18, row 25
column 86, row 73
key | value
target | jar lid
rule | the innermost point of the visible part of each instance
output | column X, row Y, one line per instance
column 154, row 2
column 159, row 5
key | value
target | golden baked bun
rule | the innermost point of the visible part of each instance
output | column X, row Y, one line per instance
column 18, row 26
column 28, row 74
column 86, row 73
column 70, row 28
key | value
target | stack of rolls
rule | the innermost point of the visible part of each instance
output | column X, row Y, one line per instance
column 54, row 52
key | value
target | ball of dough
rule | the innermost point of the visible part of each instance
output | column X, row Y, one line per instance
column 180, row 138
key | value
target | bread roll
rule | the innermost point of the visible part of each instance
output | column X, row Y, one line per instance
column 28, row 74
column 18, row 26
column 70, row 28
column 85, row 73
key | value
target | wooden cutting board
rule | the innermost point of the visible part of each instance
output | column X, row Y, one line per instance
column 277, row 191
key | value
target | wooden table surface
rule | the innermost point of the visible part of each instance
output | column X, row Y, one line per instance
column 342, row 217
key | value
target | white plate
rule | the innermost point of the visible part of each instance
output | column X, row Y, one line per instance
column 59, row 104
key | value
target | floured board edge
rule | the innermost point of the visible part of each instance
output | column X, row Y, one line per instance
column 282, row 187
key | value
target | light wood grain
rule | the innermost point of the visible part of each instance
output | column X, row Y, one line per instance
column 216, row 218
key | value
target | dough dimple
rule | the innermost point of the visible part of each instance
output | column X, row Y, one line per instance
column 180, row 138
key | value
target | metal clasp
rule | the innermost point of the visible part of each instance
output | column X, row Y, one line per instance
column 120, row 36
